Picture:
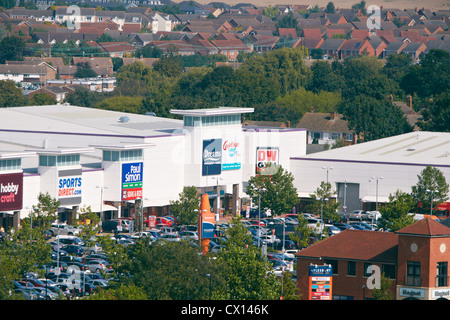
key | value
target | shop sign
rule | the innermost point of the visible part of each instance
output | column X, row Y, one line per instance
column 412, row 292
column 440, row 293
column 69, row 184
column 266, row 156
column 11, row 191
column 320, row 282
column 212, row 157
column 132, row 181
column 231, row 157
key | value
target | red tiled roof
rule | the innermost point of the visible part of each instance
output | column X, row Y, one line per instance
column 312, row 33
column 287, row 32
column 355, row 245
column 426, row 227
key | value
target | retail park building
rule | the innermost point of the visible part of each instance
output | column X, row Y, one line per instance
column 109, row 160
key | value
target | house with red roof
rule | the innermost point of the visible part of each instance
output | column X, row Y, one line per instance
column 356, row 47
column 414, row 259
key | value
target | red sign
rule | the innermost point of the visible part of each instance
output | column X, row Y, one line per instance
column 11, row 191
column 131, row 194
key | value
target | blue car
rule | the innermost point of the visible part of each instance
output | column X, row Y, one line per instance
column 73, row 250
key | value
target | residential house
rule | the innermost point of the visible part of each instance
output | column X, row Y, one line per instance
column 264, row 43
column 394, row 47
column 377, row 44
column 231, row 48
column 331, row 48
column 179, row 46
column 414, row 49
column 26, row 74
column 355, row 47
column 58, row 93
column 143, row 39
column 203, row 46
column 103, row 66
column 117, row 49
column 160, row 22
column 93, row 84
column 146, row 61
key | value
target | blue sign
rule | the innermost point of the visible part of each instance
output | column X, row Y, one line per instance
column 132, row 180
column 212, row 157
column 320, row 271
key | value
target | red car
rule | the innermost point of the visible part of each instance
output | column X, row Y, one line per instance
column 164, row 221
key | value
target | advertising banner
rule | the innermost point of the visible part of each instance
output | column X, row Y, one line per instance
column 69, row 185
column 11, row 191
column 231, row 156
column 132, row 175
column 212, row 157
column 264, row 156
column 320, row 282
column 206, row 219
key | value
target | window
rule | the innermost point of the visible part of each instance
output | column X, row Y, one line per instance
column 349, row 137
column 413, row 274
column 334, row 136
column 111, row 155
column 128, row 155
column 334, row 265
column 10, row 164
column 389, row 271
column 351, row 268
column 316, row 135
column 441, row 274
column 366, row 270
column 47, row 161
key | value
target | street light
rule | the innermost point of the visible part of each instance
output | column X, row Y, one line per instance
column 259, row 211
column 376, row 199
column 321, row 210
column 218, row 197
column 101, row 200
column 431, row 203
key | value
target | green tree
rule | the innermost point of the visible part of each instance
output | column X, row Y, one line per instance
column 170, row 64
column 431, row 189
column 330, row 7
column 245, row 269
column 436, row 113
column 385, row 292
column 301, row 232
column 396, row 66
column 149, row 51
column 84, row 98
column 271, row 12
column 279, row 196
column 322, row 202
column 186, row 208
column 39, row 99
column 121, row 104
column 395, row 212
column 324, row 78
column 11, row 48
column 84, row 70
column 10, row 95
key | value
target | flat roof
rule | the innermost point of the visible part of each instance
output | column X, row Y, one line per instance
column 414, row 148
column 68, row 119
column 212, row 111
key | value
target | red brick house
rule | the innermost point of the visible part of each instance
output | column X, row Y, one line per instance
column 355, row 47
column 415, row 259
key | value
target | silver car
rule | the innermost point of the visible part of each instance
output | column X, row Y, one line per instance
column 96, row 265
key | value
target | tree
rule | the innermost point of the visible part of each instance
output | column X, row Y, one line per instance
column 121, row 104
column 385, row 292
column 170, row 64
column 11, row 48
column 186, row 208
column 322, row 203
column 149, row 51
column 244, row 268
column 279, row 194
column 330, row 7
column 84, row 70
column 271, row 12
column 301, row 232
column 397, row 65
column 84, row 98
column 436, row 113
column 39, row 99
column 10, row 95
column 324, row 78
column 431, row 189
column 395, row 212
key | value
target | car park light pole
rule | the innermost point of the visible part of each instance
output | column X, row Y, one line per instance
column 259, row 212
column 218, row 197
column 431, row 202
column 321, row 211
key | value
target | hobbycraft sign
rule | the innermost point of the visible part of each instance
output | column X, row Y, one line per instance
column 11, row 191
column 132, row 175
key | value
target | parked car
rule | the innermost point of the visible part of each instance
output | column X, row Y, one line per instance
column 343, row 226
column 96, row 265
column 110, row 225
column 27, row 294
column 316, row 224
column 361, row 226
column 331, row 229
column 73, row 249
column 63, row 229
column 164, row 221
column 188, row 235
column 99, row 283
column 170, row 237
column 288, row 244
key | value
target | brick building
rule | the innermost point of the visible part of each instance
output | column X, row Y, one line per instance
column 414, row 258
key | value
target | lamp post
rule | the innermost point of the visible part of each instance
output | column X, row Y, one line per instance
column 101, row 201
column 431, row 202
column 345, row 199
column 259, row 212
column 218, row 197
column 321, row 210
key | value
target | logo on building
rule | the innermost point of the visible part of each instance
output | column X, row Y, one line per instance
column 11, row 191
column 69, row 186
column 212, row 157
column 267, row 160
column 132, row 174
column 231, row 157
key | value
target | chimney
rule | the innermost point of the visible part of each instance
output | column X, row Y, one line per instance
column 288, row 124
column 312, row 109
column 332, row 116
column 391, row 98
column 409, row 101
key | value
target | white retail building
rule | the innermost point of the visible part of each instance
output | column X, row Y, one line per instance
column 109, row 160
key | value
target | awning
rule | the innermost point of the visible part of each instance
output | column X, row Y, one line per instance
column 107, row 207
column 374, row 199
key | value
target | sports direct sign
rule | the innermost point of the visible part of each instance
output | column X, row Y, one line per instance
column 11, row 191
column 132, row 180
column 69, row 183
